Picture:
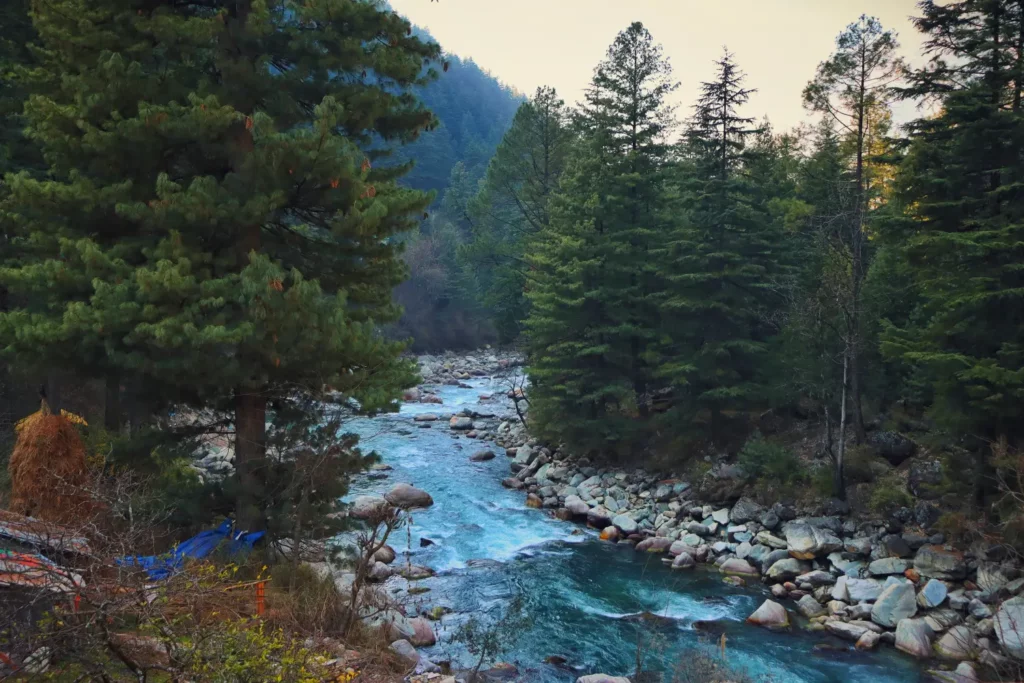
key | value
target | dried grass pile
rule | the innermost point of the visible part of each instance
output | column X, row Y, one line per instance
column 49, row 476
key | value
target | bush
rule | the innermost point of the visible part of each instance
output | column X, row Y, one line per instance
column 304, row 601
column 863, row 465
column 772, row 462
column 957, row 527
column 888, row 495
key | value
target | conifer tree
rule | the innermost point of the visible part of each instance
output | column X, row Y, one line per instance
column 722, row 258
column 514, row 205
column 259, row 208
column 613, row 207
column 963, row 230
column 852, row 87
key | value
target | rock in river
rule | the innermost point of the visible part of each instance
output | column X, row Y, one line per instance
column 408, row 497
column 482, row 456
column 914, row 637
column 770, row 615
column 626, row 524
column 365, row 507
column 897, row 602
column 460, row 423
column 806, row 542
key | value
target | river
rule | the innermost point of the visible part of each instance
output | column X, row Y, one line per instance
column 487, row 546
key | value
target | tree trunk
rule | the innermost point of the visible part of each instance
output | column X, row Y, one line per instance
column 250, row 456
column 838, row 478
column 53, row 391
column 112, row 403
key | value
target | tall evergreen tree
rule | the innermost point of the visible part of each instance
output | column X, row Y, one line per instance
column 514, row 205
column 963, row 230
column 262, row 215
column 614, row 208
column 722, row 259
column 853, row 87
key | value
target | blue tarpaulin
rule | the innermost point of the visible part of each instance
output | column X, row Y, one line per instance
column 162, row 566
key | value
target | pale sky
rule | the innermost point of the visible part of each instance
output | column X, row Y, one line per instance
column 779, row 43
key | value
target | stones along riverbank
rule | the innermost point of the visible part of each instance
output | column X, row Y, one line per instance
column 873, row 583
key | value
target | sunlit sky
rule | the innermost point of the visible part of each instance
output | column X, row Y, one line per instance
column 778, row 43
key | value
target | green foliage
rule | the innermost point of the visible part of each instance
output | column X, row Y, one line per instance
column 961, row 233
column 767, row 460
column 594, row 324
column 514, row 205
column 889, row 494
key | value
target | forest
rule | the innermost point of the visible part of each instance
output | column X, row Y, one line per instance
column 231, row 225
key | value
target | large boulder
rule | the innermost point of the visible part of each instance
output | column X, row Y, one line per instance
column 958, row 643
column 935, row 562
column 461, row 423
column 771, row 615
column 1010, row 626
column 599, row 517
column 806, row 542
column 844, row 630
column 408, row 497
column 993, row 576
column 576, row 506
column 525, row 456
column 482, row 456
column 897, row 602
column 406, row 652
column 423, row 635
column 745, row 510
column 367, row 507
column 863, row 590
column 657, row 544
column 737, row 567
column 626, row 524
column 786, row 569
column 888, row 566
column 914, row 637
column 809, row 607
column 932, row 594
column 892, row 446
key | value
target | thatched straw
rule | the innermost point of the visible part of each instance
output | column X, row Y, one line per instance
column 48, row 471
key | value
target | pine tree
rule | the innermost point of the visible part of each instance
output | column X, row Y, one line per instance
column 963, row 230
column 852, row 87
column 595, row 330
column 514, row 205
column 722, row 258
column 261, row 251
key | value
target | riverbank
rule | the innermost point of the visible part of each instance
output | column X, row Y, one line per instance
column 871, row 582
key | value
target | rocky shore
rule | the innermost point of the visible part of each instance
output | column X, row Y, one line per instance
column 867, row 581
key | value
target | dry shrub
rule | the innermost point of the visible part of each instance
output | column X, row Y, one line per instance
column 48, row 472
column 300, row 600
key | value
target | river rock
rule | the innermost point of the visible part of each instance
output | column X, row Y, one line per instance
column 809, row 607
column 958, row 643
column 806, row 542
column 770, row 615
column 684, row 561
column 576, row 506
column 460, row 423
column 914, row 637
column 888, row 566
column 816, row 578
column 1010, row 626
column 896, row 602
column 424, row 635
column 767, row 539
column 892, row 446
column 721, row 516
column 626, row 524
column 602, row 678
column 845, row 630
column 599, row 517
column 657, row 544
column 993, row 576
column 525, row 456
column 932, row 594
column 745, row 510
column 935, row 562
column 415, row 572
column 858, row 546
column 386, row 555
column 863, row 590
column 367, row 507
column 406, row 652
column 840, row 591
column 408, row 497
column 786, row 569
column 425, row 417
column 868, row 641
column 738, row 567
column 482, row 456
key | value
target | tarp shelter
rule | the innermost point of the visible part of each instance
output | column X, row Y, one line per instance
column 162, row 566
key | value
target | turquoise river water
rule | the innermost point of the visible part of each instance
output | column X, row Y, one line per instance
column 586, row 593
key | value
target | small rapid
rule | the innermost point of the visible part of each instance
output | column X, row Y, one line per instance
column 593, row 603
